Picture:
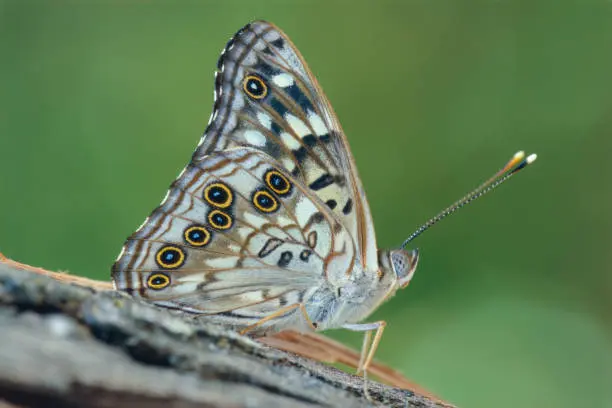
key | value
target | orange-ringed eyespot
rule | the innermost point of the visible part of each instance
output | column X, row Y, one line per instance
column 219, row 220
column 170, row 257
column 277, row 182
column 197, row 235
column 265, row 201
column 158, row 281
column 218, row 195
column 255, row 87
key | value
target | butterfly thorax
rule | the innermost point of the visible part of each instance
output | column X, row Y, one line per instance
column 332, row 306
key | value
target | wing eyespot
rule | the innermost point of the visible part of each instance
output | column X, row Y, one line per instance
column 218, row 195
column 197, row 236
column 305, row 254
column 170, row 257
column 277, row 182
column 255, row 86
column 264, row 201
column 219, row 220
column 158, row 281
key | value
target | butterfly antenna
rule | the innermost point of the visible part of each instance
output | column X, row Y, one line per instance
column 514, row 165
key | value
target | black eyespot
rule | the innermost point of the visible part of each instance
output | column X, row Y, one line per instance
column 218, row 195
column 305, row 254
column 265, row 201
column 277, row 182
column 347, row 207
column 197, row 235
column 170, row 257
column 285, row 259
column 322, row 182
column 278, row 43
column 158, row 281
column 331, row 204
column 219, row 220
column 255, row 87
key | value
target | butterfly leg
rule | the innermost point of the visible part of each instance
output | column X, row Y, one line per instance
column 278, row 313
column 368, row 349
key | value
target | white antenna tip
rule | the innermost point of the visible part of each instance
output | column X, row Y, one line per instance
column 531, row 158
column 518, row 155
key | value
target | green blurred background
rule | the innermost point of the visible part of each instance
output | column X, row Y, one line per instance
column 102, row 103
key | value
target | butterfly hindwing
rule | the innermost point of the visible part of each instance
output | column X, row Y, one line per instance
column 235, row 231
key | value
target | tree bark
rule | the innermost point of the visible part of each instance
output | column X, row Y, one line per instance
column 65, row 345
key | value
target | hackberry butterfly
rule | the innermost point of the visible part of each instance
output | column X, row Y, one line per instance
column 268, row 227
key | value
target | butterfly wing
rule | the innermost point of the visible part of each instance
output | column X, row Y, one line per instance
column 267, row 98
column 236, row 235
column 212, row 246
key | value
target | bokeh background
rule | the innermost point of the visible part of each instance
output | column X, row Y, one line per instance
column 102, row 103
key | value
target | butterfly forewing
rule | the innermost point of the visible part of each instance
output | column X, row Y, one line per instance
column 267, row 98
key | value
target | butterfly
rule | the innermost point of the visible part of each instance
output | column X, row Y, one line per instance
column 268, row 227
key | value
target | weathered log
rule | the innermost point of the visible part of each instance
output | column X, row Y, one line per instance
column 67, row 345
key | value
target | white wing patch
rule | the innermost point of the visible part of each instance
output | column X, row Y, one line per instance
column 297, row 125
column 283, row 80
column 264, row 119
column 290, row 141
column 255, row 138
column 317, row 124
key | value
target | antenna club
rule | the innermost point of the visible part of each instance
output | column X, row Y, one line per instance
column 531, row 158
column 517, row 158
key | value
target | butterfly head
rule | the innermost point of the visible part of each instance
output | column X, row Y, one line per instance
column 400, row 263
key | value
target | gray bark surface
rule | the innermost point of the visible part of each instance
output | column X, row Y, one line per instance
column 68, row 346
